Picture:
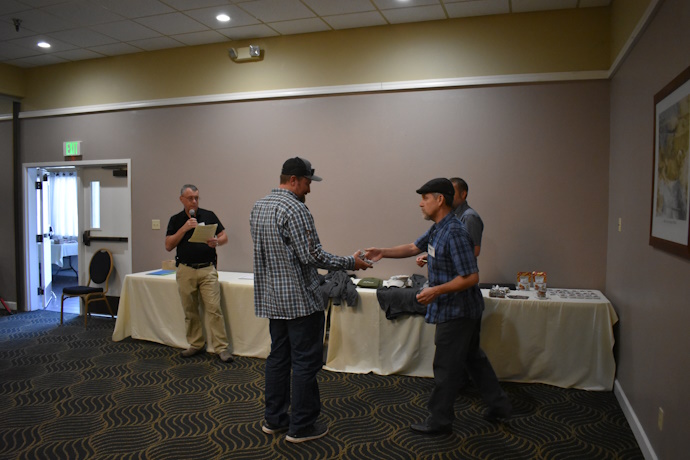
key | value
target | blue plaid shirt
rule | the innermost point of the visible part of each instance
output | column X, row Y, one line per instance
column 287, row 254
column 453, row 256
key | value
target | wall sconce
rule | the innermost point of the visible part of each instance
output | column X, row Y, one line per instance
column 250, row 53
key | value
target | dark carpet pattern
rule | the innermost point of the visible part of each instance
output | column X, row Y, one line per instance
column 72, row 393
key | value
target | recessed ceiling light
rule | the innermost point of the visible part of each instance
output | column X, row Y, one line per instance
column 223, row 17
column 44, row 44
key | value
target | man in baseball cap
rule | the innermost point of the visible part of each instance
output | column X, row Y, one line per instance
column 287, row 256
column 299, row 167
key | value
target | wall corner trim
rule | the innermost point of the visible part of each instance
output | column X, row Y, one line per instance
column 324, row 91
column 635, row 35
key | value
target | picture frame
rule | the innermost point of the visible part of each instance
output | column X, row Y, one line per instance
column 670, row 213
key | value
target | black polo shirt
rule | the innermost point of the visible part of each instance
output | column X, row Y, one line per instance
column 194, row 253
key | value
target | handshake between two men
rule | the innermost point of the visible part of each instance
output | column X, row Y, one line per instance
column 365, row 259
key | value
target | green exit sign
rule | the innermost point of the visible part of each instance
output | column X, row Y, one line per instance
column 71, row 150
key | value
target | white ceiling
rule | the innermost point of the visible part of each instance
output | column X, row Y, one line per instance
column 89, row 29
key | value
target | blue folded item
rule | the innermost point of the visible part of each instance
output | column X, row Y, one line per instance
column 162, row 272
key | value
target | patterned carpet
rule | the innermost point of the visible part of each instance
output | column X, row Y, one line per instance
column 72, row 393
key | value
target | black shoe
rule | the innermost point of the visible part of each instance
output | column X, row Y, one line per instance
column 269, row 428
column 496, row 415
column 316, row 431
column 423, row 428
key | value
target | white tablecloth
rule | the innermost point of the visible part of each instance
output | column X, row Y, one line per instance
column 559, row 341
column 150, row 309
column 58, row 251
column 567, row 342
column 362, row 340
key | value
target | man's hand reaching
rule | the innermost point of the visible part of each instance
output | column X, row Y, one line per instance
column 361, row 263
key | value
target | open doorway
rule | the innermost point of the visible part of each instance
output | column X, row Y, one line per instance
column 63, row 220
column 57, row 255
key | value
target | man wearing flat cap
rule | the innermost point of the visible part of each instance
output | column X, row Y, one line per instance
column 455, row 304
column 287, row 254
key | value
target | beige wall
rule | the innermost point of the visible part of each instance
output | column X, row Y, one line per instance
column 649, row 287
column 524, row 150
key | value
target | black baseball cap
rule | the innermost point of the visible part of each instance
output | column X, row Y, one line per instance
column 440, row 185
column 299, row 167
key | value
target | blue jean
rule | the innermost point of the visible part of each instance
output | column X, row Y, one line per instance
column 297, row 345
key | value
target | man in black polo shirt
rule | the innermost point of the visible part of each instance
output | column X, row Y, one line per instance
column 197, row 275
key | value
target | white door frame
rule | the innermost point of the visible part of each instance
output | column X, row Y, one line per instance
column 29, row 234
column 38, row 254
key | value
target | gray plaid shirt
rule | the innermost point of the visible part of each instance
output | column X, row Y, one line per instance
column 287, row 254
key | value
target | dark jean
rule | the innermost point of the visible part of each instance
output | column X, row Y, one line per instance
column 457, row 350
column 296, row 344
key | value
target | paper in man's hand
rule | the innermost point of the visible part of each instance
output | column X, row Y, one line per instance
column 203, row 233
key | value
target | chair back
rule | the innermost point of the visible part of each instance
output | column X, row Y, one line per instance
column 100, row 267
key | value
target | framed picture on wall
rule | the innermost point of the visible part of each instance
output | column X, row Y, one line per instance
column 670, row 225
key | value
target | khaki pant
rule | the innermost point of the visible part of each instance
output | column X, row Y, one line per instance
column 202, row 282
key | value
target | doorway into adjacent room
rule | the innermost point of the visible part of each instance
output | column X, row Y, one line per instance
column 62, row 218
column 64, row 203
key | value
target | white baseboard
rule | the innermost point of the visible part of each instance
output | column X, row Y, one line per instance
column 11, row 305
column 634, row 423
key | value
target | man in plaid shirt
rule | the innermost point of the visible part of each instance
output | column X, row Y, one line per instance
column 455, row 305
column 287, row 254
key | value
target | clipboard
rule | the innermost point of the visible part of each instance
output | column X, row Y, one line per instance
column 203, row 233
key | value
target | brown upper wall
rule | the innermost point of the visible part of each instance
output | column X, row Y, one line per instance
column 528, row 43
column 587, row 39
column 12, row 81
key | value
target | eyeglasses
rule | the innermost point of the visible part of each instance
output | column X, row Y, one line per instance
column 191, row 198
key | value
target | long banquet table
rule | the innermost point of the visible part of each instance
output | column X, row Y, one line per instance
column 567, row 342
column 150, row 309
column 562, row 341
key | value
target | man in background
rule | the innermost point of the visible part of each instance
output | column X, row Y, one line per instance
column 475, row 227
column 467, row 215
column 455, row 305
column 196, row 274
column 287, row 254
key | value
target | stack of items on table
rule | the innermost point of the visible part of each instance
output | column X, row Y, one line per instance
column 397, row 296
